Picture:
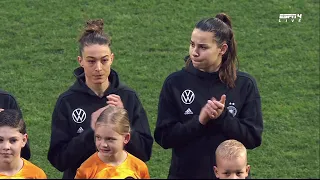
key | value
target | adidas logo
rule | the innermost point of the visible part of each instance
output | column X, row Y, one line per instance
column 80, row 130
column 188, row 111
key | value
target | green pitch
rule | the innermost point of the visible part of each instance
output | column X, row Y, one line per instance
column 38, row 52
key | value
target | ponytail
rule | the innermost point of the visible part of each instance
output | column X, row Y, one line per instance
column 228, row 69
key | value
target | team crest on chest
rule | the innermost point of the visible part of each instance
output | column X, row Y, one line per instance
column 187, row 96
column 232, row 109
column 79, row 115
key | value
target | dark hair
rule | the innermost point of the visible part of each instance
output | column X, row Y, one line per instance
column 12, row 118
column 221, row 28
column 93, row 34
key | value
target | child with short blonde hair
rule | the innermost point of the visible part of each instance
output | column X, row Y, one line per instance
column 112, row 133
column 13, row 137
column 231, row 158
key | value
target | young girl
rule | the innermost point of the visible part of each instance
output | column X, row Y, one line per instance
column 207, row 102
column 13, row 137
column 112, row 132
column 8, row 101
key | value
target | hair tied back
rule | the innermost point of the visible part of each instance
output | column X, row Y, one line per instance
column 94, row 26
column 225, row 18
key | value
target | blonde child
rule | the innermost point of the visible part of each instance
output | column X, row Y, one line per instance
column 112, row 133
column 231, row 158
column 13, row 137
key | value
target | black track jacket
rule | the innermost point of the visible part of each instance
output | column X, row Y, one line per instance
column 7, row 101
column 72, row 139
column 193, row 145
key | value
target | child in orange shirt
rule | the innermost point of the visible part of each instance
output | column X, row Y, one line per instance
column 13, row 137
column 112, row 133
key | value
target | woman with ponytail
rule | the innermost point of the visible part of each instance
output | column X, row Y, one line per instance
column 97, row 85
column 207, row 102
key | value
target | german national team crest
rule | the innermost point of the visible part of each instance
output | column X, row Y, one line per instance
column 79, row 115
column 232, row 109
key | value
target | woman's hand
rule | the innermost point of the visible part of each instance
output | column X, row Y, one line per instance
column 114, row 100
column 212, row 109
column 95, row 115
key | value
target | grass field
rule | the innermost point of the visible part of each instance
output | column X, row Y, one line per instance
column 38, row 50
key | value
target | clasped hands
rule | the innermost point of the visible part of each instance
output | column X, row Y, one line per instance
column 212, row 109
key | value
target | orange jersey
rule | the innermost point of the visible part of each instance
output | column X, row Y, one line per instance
column 95, row 168
column 28, row 171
